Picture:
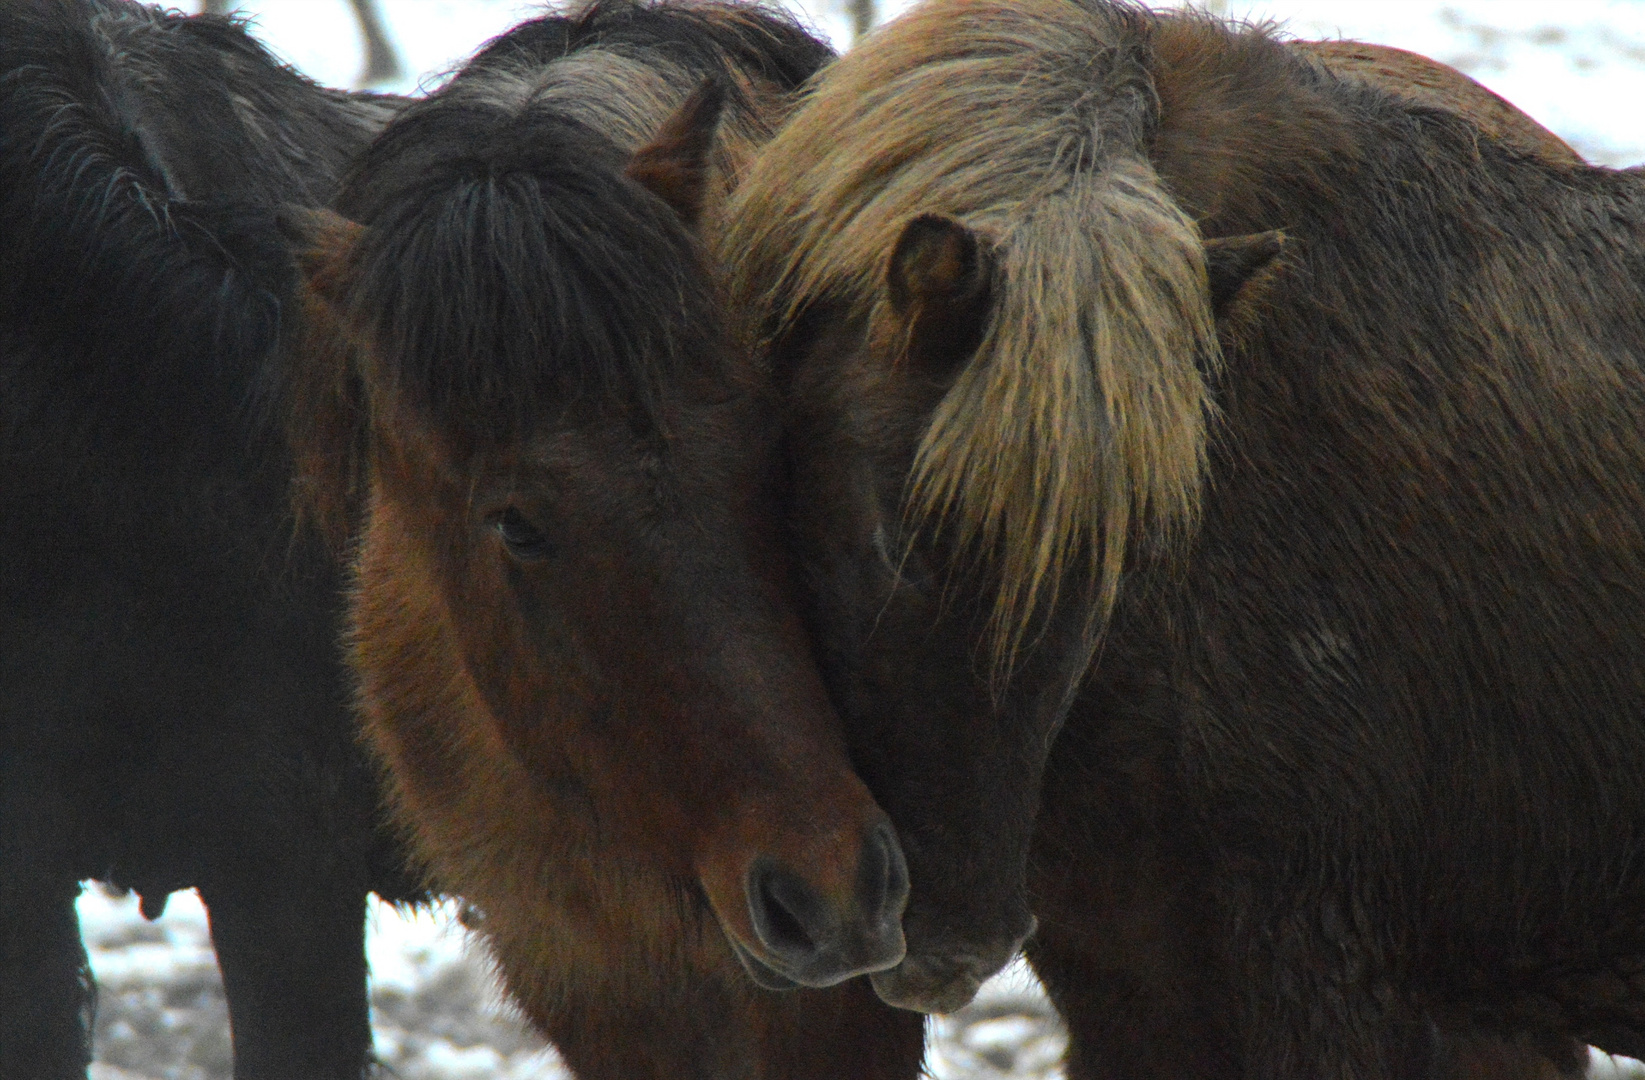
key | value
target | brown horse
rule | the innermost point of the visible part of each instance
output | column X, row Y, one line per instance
column 1279, row 440
column 572, row 620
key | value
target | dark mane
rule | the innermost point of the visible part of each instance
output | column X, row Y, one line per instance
column 137, row 196
column 501, row 260
column 508, row 265
column 734, row 41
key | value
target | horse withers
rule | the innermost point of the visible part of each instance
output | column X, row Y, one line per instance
column 572, row 619
column 173, row 707
column 1246, row 458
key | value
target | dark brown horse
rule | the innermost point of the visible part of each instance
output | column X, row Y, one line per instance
column 572, row 620
column 1278, row 440
column 173, row 706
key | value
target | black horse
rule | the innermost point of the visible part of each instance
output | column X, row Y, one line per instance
column 172, row 709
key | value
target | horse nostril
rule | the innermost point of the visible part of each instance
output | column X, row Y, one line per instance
column 882, row 879
column 809, row 937
column 791, row 918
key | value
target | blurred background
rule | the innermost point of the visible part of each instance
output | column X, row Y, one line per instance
column 1577, row 67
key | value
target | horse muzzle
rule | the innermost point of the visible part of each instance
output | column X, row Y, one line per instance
column 803, row 936
column 944, row 980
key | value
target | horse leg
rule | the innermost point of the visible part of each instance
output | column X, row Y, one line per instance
column 1128, row 944
column 1141, row 989
column 1479, row 1057
column 1160, row 969
column 47, row 996
column 292, row 955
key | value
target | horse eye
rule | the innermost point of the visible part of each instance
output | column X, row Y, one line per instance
column 523, row 539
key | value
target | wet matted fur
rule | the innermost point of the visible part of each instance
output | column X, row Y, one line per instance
column 572, row 623
column 1349, row 788
column 173, row 709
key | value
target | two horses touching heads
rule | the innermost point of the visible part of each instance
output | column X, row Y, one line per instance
column 1203, row 515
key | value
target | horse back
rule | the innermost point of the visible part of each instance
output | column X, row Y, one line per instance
column 1432, row 83
column 1423, row 551
column 143, row 157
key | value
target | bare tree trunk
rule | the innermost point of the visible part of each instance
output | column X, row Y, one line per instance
column 862, row 17
column 381, row 63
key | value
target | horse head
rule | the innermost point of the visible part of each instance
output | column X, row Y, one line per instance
column 996, row 334
column 572, row 620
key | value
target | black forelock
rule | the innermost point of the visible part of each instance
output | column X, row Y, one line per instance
column 711, row 38
column 508, row 264
column 508, row 267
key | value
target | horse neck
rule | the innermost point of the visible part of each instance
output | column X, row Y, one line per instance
column 1252, row 136
column 143, row 286
column 221, row 120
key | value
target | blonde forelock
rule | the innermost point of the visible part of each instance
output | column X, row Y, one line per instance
column 1081, row 422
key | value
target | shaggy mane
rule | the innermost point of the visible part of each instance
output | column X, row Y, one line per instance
column 507, row 265
column 621, row 67
column 1081, row 424
column 142, row 156
column 507, row 262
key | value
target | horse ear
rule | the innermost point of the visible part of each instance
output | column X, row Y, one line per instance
column 325, row 411
column 674, row 164
column 940, row 278
column 1236, row 268
column 321, row 242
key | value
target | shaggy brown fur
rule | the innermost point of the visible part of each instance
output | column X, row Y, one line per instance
column 1351, row 788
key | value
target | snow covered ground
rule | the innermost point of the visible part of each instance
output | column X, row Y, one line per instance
column 1578, row 67
column 437, row 1014
column 436, row 1011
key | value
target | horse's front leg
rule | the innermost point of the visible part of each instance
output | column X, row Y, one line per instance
column 292, row 953
column 46, row 992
